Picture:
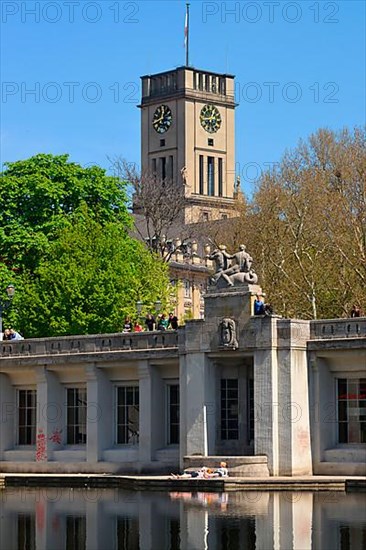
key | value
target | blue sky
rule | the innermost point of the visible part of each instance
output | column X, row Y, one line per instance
column 299, row 66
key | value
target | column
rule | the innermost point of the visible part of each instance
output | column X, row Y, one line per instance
column 293, row 398
column 266, row 394
column 100, row 414
column 152, row 412
column 198, row 405
column 8, row 412
column 196, row 299
column 50, row 414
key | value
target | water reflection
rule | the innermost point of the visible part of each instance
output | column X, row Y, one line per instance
column 72, row 519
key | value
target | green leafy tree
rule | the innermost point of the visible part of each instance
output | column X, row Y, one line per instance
column 306, row 227
column 91, row 278
column 65, row 244
column 39, row 194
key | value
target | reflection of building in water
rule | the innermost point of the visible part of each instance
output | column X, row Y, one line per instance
column 87, row 519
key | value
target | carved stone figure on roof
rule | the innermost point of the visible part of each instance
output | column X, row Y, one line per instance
column 234, row 269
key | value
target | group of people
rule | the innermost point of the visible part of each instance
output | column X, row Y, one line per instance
column 11, row 334
column 162, row 322
column 204, row 473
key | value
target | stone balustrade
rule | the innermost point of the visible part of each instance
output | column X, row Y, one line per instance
column 151, row 340
column 338, row 328
column 89, row 344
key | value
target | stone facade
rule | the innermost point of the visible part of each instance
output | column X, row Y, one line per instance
column 282, row 396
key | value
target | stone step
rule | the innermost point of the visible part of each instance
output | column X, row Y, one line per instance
column 238, row 466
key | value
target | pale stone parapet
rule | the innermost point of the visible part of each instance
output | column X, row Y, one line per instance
column 338, row 328
column 91, row 343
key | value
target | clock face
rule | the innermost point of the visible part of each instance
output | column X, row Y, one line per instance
column 162, row 119
column 210, row 118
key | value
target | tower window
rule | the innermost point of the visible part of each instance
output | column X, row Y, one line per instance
column 201, row 174
column 205, row 216
column 220, row 177
column 211, row 176
column 170, row 168
column 162, row 143
column 163, row 168
column 210, row 142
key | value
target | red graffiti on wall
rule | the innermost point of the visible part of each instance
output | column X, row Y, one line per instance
column 41, row 451
column 56, row 437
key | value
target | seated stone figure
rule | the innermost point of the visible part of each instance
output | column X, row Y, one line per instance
column 233, row 268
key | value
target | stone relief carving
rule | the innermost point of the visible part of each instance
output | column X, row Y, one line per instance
column 233, row 269
column 228, row 334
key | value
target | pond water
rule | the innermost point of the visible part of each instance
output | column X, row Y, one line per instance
column 107, row 519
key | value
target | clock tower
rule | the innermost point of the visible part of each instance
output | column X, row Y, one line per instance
column 188, row 136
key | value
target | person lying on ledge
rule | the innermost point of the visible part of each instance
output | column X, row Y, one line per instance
column 204, row 473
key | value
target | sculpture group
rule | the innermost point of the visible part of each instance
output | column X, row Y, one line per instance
column 232, row 269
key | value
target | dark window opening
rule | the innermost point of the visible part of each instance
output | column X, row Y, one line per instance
column 128, row 415
column 211, row 176
column 27, row 412
column 229, row 409
column 76, row 416
column 173, row 414
column 163, row 167
column 201, row 172
column 351, row 410
column 220, row 177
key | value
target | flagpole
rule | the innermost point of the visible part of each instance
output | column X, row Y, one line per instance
column 187, row 34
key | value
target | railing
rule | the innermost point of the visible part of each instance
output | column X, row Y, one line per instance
column 338, row 328
column 90, row 343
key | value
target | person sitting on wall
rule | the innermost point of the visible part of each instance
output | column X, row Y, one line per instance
column 163, row 322
column 150, row 321
column 127, row 327
column 355, row 311
column 260, row 307
column 137, row 327
column 173, row 321
column 11, row 334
